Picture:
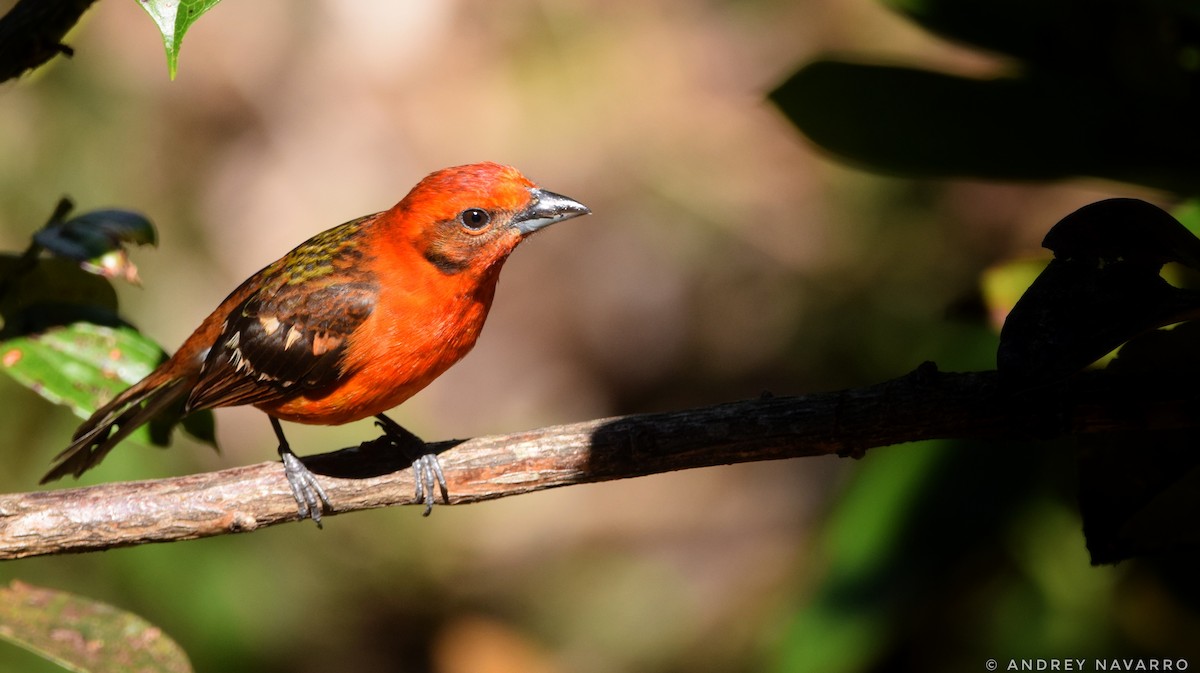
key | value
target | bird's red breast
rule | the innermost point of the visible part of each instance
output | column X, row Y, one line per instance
column 359, row 318
column 351, row 322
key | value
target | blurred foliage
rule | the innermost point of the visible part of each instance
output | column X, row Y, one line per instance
column 1101, row 89
column 926, row 533
column 83, row 635
column 1107, row 89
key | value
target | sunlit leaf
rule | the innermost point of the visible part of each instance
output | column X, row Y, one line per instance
column 1188, row 214
column 114, row 264
column 83, row 366
column 173, row 18
column 1003, row 284
column 84, row 635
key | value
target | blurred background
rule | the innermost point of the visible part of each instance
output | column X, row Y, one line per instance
column 726, row 257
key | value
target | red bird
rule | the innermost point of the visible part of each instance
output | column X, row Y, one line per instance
column 349, row 324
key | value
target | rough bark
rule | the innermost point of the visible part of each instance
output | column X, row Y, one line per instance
column 925, row 404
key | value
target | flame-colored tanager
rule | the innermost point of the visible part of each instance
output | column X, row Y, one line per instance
column 347, row 325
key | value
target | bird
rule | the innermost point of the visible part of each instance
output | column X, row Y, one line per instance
column 348, row 324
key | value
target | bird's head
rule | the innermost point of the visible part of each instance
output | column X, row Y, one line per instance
column 469, row 218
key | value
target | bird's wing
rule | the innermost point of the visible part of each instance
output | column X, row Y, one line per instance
column 283, row 340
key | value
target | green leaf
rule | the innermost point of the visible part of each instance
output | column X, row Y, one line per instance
column 1003, row 284
column 174, row 17
column 1188, row 214
column 81, row 365
column 84, row 365
column 84, row 635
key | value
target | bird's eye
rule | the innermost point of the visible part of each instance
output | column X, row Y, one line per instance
column 474, row 218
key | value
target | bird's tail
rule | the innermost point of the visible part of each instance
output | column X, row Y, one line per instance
column 114, row 422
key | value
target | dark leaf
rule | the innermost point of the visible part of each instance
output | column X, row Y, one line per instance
column 914, row 122
column 1102, row 288
column 1139, row 492
column 119, row 225
column 199, row 424
column 49, row 291
column 61, row 335
column 1111, row 38
column 96, row 240
column 1129, row 230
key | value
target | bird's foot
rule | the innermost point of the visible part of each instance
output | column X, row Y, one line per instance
column 310, row 497
column 427, row 471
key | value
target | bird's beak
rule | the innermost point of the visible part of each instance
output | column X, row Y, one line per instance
column 546, row 209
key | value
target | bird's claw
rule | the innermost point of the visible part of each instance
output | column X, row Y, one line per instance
column 310, row 496
column 427, row 470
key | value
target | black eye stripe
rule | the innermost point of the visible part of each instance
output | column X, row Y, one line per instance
column 474, row 218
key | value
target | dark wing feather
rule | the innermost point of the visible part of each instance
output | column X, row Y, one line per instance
column 283, row 340
column 114, row 422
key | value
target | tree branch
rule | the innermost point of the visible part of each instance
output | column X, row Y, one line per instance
column 924, row 404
